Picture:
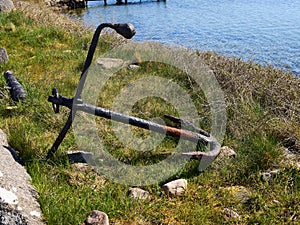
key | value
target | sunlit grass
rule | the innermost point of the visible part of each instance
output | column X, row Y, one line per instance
column 263, row 116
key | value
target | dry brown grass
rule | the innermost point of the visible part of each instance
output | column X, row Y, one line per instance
column 45, row 16
column 259, row 98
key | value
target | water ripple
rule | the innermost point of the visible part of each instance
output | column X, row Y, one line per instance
column 264, row 31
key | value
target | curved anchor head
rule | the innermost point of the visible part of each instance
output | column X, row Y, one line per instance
column 125, row 29
column 206, row 158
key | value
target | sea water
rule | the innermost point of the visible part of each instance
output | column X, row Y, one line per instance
column 264, row 31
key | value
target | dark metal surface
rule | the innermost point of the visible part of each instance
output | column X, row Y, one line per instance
column 16, row 90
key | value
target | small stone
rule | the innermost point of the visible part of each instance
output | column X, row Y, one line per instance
column 138, row 193
column 109, row 63
column 80, row 157
column 227, row 152
column 232, row 214
column 176, row 187
column 1, row 174
column 97, row 218
column 133, row 67
column 8, row 197
column 3, row 55
column 268, row 176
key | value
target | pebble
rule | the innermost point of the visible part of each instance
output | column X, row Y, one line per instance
column 138, row 193
column 79, row 156
column 232, row 214
column 176, row 187
column 227, row 152
column 133, row 67
column 268, row 176
column 97, row 218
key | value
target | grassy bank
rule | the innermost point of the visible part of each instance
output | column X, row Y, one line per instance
column 263, row 104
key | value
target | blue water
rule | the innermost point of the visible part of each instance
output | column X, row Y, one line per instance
column 264, row 31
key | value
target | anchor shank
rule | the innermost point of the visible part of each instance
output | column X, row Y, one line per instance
column 145, row 124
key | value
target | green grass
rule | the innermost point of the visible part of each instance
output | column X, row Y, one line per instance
column 262, row 111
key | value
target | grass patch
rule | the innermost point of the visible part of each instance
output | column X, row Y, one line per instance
column 48, row 50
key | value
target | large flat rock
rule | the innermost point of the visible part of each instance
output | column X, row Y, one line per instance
column 18, row 204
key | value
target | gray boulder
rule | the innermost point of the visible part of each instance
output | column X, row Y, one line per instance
column 6, row 6
column 18, row 204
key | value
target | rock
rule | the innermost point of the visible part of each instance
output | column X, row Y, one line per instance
column 268, row 176
column 137, row 193
column 80, row 156
column 276, row 202
column 6, row 6
column 232, row 214
column 226, row 156
column 176, row 187
column 97, row 218
column 290, row 158
column 238, row 193
column 3, row 55
column 109, row 63
column 18, row 196
column 133, row 67
column 227, row 152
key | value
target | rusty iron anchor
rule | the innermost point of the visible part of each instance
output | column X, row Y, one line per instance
column 75, row 104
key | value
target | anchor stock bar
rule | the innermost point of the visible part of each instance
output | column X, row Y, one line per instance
column 134, row 121
column 138, row 122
